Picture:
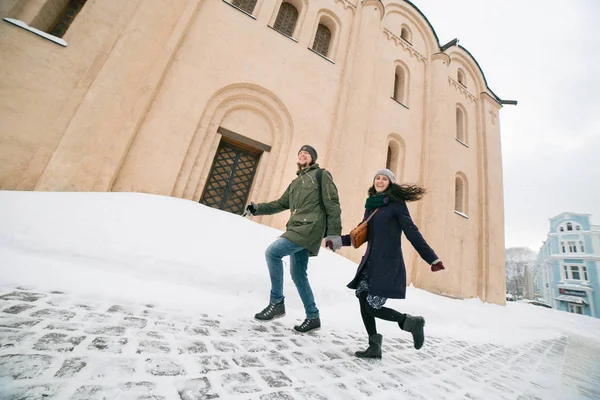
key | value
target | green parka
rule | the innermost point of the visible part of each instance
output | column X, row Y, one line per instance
column 306, row 225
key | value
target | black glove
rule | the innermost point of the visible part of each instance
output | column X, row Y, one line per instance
column 250, row 209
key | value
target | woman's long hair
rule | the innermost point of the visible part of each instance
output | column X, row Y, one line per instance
column 401, row 192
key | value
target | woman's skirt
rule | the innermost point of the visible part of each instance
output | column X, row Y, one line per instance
column 363, row 286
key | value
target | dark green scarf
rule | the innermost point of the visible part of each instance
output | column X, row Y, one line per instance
column 375, row 201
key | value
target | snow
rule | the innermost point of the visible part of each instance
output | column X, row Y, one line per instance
column 149, row 249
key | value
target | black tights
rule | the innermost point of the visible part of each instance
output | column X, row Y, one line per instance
column 369, row 314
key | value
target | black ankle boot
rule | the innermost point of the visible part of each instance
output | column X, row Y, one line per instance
column 271, row 311
column 415, row 326
column 309, row 325
column 374, row 349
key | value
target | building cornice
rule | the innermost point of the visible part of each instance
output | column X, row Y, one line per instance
column 562, row 257
column 461, row 88
column 404, row 44
column 574, row 286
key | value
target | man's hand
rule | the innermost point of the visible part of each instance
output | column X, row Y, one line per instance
column 438, row 265
column 250, row 209
column 334, row 243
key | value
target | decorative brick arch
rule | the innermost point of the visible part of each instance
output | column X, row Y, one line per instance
column 416, row 24
column 203, row 146
column 475, row 79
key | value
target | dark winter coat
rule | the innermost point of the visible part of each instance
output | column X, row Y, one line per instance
column 383, row 258
column 306, row 226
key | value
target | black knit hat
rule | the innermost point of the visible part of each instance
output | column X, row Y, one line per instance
column 311, row 150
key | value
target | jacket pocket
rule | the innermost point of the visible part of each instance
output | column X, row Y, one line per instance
column 303, row 219
column 303, row 225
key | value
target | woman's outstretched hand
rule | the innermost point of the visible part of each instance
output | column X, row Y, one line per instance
column 437, row 266
column 333, row 243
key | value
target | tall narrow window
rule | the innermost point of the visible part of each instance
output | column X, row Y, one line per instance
column 569, row 226
column 245, row 5
column 405, row 34
column 581, row 247
column 461, row 125
column 460, row 75
column 585, row 274
column 562, row 246
column 399, row 84
column 458, row 195
column 322, row 40
column 396, row 150
column 66, row 18
column 572, row 247
column 461, row 195
column 286, row 19
column 393, row 157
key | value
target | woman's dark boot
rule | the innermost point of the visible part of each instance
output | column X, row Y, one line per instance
column 374, row 349
column 415, row 326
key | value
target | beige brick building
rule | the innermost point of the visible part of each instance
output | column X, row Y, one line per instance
column 210, row 100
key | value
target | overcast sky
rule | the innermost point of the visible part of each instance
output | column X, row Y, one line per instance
column 546, row 55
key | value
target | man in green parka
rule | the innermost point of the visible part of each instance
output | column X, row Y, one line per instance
column 304, row 233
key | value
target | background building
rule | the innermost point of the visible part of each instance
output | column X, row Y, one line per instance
column 566, row 275
column 529, row 282
column 518, row 266
column 211, row 100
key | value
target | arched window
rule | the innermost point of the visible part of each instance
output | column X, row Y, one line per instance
column 286, row 19
column 460, row 75
column 246, row 5
column 405, row 34
column 461, row 194
column 562, row 229
column 399, row 84
column 461, row 124
column 322, row 40
column 577, row 228
column 395, row 156
column 569, row 226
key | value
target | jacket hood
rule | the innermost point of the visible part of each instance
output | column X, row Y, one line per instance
column 305, row 170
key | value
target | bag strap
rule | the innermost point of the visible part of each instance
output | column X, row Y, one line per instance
column 371, row 216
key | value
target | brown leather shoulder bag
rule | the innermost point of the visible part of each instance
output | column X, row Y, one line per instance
column 358, row 235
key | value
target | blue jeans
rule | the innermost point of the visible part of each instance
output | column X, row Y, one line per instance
column 298, row 265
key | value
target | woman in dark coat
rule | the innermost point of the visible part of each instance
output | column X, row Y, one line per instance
column 381, row 273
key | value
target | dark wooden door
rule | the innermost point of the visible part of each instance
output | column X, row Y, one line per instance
column 231, row 177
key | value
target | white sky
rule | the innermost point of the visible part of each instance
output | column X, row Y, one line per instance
column 544, row 54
